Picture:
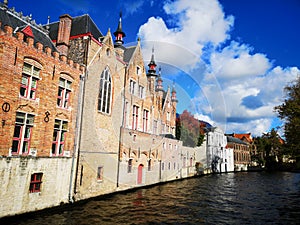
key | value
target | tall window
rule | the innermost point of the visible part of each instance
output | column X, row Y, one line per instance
column 168, row 116
column 59, row 135
column 30, row 77
column 129, row 168
column 141, row 91
column 64, row 91
column 104, row 98
column 145, row 120
column 135, row 117
column 35, row 182
column 132, row 87
column 22, row 133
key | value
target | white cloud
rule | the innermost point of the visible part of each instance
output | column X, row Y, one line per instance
column 197, row 23
column 235, row 61
column 239, row 88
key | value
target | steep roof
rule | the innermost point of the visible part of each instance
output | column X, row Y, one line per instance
column 25, row 23
column 235, row 140
column 245, row 137
column 80, row 25
column 128, row 53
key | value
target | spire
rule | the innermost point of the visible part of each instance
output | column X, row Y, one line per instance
column 152, row 65
column 173, row 93
column 5, row 4
column 159, row 81
column 119, row 34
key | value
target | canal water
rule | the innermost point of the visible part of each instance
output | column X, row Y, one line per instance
column 233, row 198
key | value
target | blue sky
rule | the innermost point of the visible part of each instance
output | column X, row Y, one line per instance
column 230, row 59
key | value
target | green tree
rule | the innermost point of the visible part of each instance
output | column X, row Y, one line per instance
column 270, row 150
column 289, row 111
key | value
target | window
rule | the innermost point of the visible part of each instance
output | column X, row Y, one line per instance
column 168, row 116
column 35, row 182
column 100, row 173
column 170, row 146
column 132, row 87
column 145, row 120
column 135, row 117
column 138, row 70
column 64, row 91
column 59, row 136
column 22, row 133
column 104, row 98
column 30, row 77
column 141, row 91
column 129, row 168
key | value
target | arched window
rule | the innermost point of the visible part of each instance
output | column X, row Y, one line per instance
column 104, row 98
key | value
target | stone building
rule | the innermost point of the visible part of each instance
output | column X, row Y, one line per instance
column 80, row 39
column 81, row 116
column 39, row 92
column 241, row 152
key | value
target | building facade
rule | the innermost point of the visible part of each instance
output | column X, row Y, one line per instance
column 219, row 158
column 241, row 151
column 39, row 100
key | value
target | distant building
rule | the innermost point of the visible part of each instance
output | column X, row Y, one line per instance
column 247, row 138
column 241, row 151
column 219, row 158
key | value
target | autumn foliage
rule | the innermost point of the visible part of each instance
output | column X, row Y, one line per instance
column 188, row 130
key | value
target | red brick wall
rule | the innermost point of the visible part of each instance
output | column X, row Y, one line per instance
column 13, row 50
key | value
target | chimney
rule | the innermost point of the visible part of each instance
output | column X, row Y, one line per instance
column 63, row 36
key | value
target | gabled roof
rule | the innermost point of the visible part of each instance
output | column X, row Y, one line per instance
column 235, row 140
column 128, row 53
column 80, row 25
column 244, row 137
column 19, row 22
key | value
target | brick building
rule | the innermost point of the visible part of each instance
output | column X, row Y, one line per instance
column 38, row 98
column 241, row 151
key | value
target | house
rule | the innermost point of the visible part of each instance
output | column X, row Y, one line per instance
column 241, row 153
column 39, row 93
column 219, row 158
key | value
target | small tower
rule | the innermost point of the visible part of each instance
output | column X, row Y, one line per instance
column 119, row 34
column 151, row 75
column 159, row 81
column 173, row 94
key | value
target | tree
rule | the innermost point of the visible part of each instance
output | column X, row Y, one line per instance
column 289, row 111
column 188, row 130
column 270, row 150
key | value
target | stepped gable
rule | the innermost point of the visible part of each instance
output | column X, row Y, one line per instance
column 80, row 25
column 25, row 24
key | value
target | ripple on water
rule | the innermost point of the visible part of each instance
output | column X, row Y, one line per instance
column 235, row 198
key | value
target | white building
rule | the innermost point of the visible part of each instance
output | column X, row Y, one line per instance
column 219, row 158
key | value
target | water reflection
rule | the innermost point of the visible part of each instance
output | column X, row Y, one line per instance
column 235, row 198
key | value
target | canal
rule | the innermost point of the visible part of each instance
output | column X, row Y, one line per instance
column 233, row 198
